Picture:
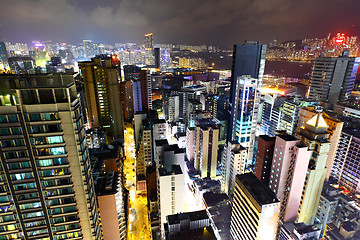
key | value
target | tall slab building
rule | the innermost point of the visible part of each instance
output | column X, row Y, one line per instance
column 332, row 79
column 314, row 135
column 47, row 191
column 248, row 60
column 101, row 78
column 255, row 210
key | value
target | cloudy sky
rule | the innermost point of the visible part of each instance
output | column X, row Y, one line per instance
column 218, row 22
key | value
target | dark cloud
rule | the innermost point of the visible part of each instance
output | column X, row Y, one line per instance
column 220, row 22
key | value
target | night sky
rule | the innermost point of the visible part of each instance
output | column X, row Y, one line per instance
column 215, row 22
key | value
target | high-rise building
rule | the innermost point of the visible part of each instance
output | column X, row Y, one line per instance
column 206, row 148
column 255, row 210
column 264, row 156
column 290, row 112
column 344, row 169
column 288, row 172
column 146, row 95
column 271, row 114
column 126, row 95
column 101, row 78
column 332, row 79
column 149, row 41
column 137, row 98
column 170, row 192
column 244, row 112
column 89, row 50
column 233, row 160
column 314, row 135
column 334, row 129
column 248, row 59
column 47, row 190
column 131, row 72
column 173, row 108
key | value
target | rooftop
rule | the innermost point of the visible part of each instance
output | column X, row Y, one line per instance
column 175, row 170
column 267, row 138
column 261, row 193
column 287, row 137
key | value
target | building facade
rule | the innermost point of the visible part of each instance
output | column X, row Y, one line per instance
column 46, row 183
column 255, row 210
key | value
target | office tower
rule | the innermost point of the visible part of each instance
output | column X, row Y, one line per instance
column 170, row 192
column 313, row 134
column 146, row 97
column 233, row 160
column 255, row 210
column 126, row 96
column 243, row 119
column 264, row 156
column 332, row 79
column 148, row 41
column 334, row 129
column 101, row 78
column 206, row 148
column 248, row 59
column 46, row 183
column 290, row 114
column 344, row 169
column 89, row 50
column 271, row 114
column 288, row 171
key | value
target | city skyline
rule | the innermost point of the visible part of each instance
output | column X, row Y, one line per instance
column 214, row 23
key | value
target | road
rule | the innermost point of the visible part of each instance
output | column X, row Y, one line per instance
column 139, row 227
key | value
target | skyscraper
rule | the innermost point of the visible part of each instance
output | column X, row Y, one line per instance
column 146, row 96
column 206, row 148
column 244, row 110
column 148, row 41
column 126, row 95
column 255, row 210
column 288, row 172
column 313, row 134
column 334, row 129
column 344, row 169
column 170, row 192
column 89, row 51
column 271, row 114
column 47, row 191
column 249, row 60
column 101, row 78
column 332, row 79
